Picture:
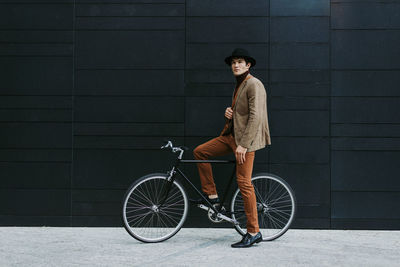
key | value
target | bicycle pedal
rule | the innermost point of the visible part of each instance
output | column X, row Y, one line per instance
column 221, row 210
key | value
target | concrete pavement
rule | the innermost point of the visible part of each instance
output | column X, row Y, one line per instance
column 58, row 246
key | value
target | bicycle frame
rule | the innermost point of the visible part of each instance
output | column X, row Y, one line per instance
column 156, row 205
column 172, row 175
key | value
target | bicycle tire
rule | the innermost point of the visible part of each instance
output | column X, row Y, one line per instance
column 274, row 217
column 142, row 216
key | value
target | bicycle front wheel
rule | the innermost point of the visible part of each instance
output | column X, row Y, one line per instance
column 148, row 214
column 276, row 206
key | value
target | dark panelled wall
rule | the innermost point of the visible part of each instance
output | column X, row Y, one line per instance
column 36, row 112
column 299, row 106
column 365, row 64
column 89, row 90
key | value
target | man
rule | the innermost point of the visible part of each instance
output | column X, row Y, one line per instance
column 246, row 130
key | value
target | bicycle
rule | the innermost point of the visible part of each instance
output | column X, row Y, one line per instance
column 156, row 205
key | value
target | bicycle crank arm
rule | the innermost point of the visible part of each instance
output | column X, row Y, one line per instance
column 219, row 215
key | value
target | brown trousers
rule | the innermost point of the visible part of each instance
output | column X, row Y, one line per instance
column 223, row 145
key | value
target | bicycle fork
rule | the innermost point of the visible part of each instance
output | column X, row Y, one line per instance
column 166, row 187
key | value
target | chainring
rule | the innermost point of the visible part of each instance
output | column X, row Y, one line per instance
column 212, row 216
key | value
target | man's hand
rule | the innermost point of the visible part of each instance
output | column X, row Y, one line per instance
column 241, row 154
column 228, row 113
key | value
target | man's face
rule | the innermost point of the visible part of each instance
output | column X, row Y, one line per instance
column 239, row 66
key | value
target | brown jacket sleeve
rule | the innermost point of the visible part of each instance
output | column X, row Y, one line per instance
column 255, row 98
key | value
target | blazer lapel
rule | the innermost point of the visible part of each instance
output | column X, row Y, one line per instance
column 240, row 89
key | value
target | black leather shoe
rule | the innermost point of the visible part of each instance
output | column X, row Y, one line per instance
column 201, row 200
column 248, row 240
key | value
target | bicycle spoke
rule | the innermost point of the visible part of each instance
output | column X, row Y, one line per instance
column 167, row 216
column 258, row 194
column 275, row 219
column 138, row 222
column 145, row 197
column 175, row 195
column 271, row 193
column 275, row 207
column 139, row 199
column 138, row 215
column 283, row 195
column 135, row 209
column 149, row 220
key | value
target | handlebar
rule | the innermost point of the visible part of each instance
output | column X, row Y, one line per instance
column 180, row 149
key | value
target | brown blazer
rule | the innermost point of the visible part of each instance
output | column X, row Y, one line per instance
column 250, row 116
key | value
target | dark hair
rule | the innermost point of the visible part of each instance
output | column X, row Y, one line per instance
column 245, row 59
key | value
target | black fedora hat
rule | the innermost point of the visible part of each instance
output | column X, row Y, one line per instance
column 240, row 52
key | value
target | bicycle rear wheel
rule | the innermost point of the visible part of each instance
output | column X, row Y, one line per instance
column 146, row 217
column 276, row 206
